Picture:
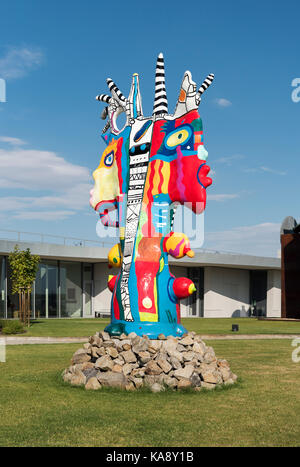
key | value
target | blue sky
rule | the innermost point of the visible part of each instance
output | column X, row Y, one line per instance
column 55, row 57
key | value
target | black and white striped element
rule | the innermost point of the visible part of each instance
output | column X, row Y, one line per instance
column 160, row 106
column 173, row 217
column 106, row 127
column 103, row 98
column 206, row 83
column 138, row 165
column 112, row 87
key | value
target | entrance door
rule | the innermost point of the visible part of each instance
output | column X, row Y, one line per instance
column 195, row 300
column 258, row 292
column 87, row 298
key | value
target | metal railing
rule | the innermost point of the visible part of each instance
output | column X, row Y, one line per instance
column 19, row 236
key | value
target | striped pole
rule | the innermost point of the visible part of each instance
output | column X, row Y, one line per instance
column 160, row 98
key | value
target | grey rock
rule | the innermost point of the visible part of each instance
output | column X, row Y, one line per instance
column 175, row 363
column 109, row 378
column 199, row 348
column 164, row 365
column 180, row 348
column 93, row 384
column 104, row 363
column 184, row 373
column 169, row 345
column 119, row 360
column 105, row 336
column 209, row 357
column 128, row 356
column 152, row 368
column 184, row 383
column 212, row 377
column 80, row 356
column 169, row 381
column 156, row 387
column 117, row 368
column 176, row 354
column 195, row 380
column 188, row 356
column 127, row 368
column 186, row 341
column 140, row 346
column 138, row 382
column 90, row 373
column 112, row 352
column 144, row 356
column 132, row 335
column 78, row 379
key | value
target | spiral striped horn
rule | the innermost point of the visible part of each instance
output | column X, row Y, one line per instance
column 103, row 98
column 160, row 98
column 114, row 88
column 206, row 83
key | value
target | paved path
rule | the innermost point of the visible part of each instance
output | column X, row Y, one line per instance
column 74, row 340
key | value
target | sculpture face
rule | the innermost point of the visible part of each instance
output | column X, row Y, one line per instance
column 146, row 167
column 178, row 145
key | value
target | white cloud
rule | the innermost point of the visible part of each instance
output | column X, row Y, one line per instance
column 19, row 61
column 12, row 141
column 222, row 197
column 265, row 169
column 61, row 188
column 221, row 102
column 259, row 239
column 228, row 160
column 31, row 169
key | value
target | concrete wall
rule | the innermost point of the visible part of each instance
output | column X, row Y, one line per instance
column 226, row 292
column 274, row 294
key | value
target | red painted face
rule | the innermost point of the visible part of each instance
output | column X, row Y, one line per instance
column 180, row 143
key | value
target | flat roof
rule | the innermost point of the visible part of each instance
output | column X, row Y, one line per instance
column 95, row 254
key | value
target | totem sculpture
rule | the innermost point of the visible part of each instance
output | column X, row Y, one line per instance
column 148, row 167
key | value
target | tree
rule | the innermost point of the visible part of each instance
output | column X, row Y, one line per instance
column 23, row 267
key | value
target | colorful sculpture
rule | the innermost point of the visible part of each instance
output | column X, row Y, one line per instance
column 148, row 167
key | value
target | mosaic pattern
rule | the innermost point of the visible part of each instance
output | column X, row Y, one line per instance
column 149, row 167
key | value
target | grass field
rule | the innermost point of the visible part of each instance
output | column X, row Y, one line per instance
column 87, row 327
column 263, row 409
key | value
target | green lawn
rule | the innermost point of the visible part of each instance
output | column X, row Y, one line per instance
column 87, row 327
column 38, row 409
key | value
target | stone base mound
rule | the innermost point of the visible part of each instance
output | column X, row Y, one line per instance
column 131, row 362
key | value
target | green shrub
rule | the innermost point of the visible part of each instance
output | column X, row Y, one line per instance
column 11, row 327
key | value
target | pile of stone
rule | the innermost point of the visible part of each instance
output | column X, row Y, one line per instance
column 131, row 361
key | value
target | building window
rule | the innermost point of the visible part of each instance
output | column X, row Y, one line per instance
column 71, row 289
column 46, row 290
column 258, row 293
column 2, row 287
column 196, row 300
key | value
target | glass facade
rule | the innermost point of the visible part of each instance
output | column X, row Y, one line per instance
column 46, row 290
column 2, row 287
column 61, row 289
column 71, row 289
column 196, row 300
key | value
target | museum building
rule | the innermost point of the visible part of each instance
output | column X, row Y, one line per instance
column 72, row 282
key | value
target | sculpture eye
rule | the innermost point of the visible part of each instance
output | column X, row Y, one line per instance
column 109, row 158
column 177, row 137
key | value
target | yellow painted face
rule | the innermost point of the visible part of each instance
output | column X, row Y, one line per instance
column 106, row 187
